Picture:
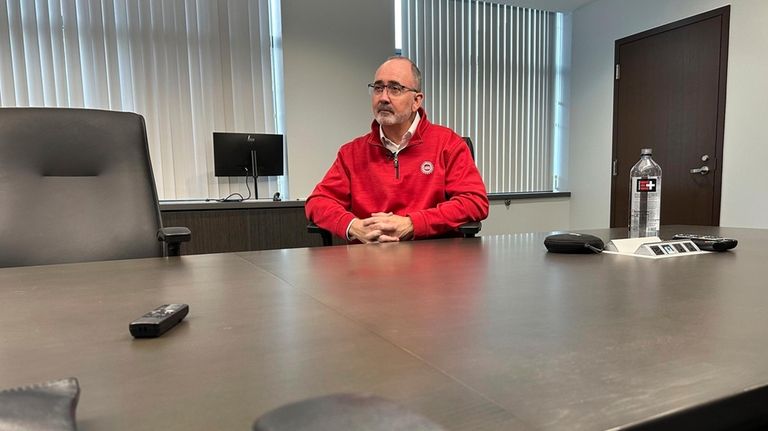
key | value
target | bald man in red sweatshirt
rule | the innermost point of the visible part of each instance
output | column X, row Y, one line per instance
column 407, row 178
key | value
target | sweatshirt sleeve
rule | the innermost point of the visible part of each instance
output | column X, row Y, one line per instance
column 467, row 197
column 328, row 205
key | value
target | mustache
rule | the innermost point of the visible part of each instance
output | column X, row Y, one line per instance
column 384, row 107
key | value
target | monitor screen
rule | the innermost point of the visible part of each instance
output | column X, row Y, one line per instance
column 232, row 154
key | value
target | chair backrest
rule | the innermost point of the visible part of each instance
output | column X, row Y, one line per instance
column 75, row 185
column 470, row 145
column 344, row 412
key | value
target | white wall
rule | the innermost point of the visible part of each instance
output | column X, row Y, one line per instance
column 331, row 49
column 596, row 27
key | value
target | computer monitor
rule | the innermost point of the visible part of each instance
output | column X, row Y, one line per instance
column 236, row 155
column 232, row 154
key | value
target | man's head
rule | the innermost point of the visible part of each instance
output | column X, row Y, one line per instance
column 396, row 93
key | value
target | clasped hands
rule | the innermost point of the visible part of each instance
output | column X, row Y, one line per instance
column 381, row 227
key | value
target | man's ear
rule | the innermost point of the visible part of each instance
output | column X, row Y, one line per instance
column 417, row 101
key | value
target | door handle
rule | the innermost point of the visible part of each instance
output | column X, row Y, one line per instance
column 704, row 170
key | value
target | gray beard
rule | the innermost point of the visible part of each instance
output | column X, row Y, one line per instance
column 389, row 119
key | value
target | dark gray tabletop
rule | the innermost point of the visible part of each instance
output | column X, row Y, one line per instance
column 491, row 333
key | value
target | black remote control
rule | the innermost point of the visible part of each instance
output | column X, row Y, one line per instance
column 158, row 321
column 709, row 243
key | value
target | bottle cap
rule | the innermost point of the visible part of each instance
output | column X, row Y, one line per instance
column 646, row 151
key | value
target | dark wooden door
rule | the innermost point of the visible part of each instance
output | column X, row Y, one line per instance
column 669, row 95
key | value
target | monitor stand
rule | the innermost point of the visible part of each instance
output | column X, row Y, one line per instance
column 255, row 172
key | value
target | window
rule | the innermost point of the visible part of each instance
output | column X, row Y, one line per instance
column 190, row 67
column 490, row 72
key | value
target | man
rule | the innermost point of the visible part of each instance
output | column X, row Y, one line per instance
column 407, row 178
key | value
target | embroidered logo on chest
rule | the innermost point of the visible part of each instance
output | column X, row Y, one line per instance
column 427, row 168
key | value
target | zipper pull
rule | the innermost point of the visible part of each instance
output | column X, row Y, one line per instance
column 397, row 167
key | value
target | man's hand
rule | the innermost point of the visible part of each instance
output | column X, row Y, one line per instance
column 392, row 227
column 381, row 227
column 358, row 230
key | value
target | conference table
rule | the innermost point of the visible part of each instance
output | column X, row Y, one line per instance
column 489, row 333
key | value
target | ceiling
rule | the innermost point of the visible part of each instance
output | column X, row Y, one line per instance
column 553, row 5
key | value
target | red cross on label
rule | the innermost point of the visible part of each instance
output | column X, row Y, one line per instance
column 646, row 185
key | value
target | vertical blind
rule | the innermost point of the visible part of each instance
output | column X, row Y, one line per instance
column 489, row 73
column 190, row 67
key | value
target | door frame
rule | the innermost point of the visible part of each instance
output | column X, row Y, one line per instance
column 725, row 12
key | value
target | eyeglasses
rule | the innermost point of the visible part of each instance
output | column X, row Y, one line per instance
column 393, row 90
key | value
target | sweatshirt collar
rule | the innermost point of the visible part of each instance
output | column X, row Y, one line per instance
column 416, row 130
column 397, row 146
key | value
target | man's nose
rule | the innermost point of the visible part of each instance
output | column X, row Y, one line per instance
column 384, row 97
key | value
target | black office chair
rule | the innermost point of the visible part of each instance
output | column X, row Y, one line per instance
column 467, row 230
column 472, row 228
column 344, row 412
column 76, row 185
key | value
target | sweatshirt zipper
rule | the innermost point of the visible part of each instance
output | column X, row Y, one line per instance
column 397, row 167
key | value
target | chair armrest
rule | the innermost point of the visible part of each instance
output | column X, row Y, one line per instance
column 173, row 237
column 470, row 229
column 324, row 234
column 313, row 228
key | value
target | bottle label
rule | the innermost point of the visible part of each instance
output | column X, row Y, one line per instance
column 646, row 184
column 645, row 208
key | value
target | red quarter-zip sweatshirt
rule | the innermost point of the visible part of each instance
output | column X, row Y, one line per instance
column 433, row 180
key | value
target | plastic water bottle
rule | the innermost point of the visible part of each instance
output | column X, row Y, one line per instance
column 645, row 196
